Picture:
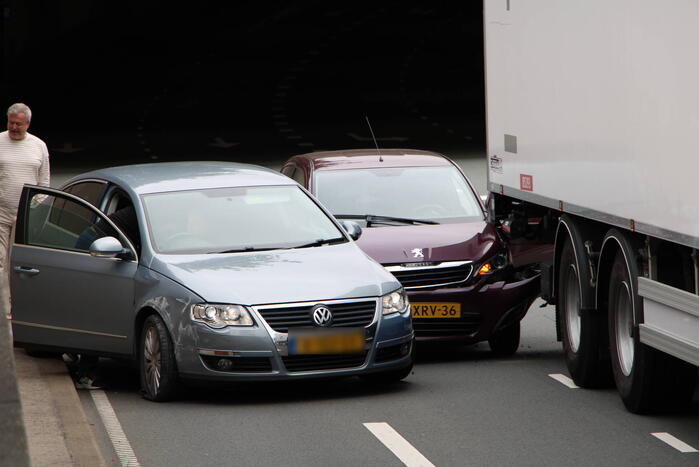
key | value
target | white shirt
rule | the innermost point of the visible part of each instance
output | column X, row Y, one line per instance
column 23, row 161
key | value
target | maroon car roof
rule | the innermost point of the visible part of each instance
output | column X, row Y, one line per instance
column 368, row 158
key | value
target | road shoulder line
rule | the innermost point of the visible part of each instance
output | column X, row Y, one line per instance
column 114, row 430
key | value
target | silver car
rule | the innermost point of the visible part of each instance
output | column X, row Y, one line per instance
column 203, row 271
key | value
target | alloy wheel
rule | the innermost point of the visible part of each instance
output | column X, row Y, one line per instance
column 572, row 308
column 152, row 360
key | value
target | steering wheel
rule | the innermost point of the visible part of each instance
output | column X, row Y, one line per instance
column 428, row 211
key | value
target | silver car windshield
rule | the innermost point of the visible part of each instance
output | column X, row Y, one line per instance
column 224, row 220
column 430, row 193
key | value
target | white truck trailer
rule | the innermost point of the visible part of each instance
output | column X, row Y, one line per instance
column 593, row 146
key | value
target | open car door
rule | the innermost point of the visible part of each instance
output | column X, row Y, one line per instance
column 63, row 297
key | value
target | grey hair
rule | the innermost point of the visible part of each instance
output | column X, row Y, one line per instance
column 20, row 108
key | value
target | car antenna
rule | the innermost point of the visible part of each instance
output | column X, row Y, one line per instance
column 374, row 138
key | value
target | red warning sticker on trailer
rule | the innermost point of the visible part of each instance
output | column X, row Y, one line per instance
column 526, row 182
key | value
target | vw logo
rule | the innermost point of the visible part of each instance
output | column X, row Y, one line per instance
column 322, row 316
column 417, row 253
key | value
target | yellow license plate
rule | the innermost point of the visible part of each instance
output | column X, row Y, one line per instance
column 435, row 310
column 326, row 342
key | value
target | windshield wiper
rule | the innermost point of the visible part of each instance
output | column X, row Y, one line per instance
column 374, row 219
column 321, row 241
column 245, row 249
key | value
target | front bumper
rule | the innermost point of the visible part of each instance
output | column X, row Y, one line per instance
column 484, row 309
column 259, row 353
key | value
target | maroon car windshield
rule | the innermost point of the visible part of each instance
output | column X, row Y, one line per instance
column 435, row 193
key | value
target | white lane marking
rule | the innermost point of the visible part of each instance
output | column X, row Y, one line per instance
column 398, row 445
column 674, row 442
column 116, row 433
column 563, row 379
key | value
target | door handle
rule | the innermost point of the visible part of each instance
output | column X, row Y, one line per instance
column 26, row 270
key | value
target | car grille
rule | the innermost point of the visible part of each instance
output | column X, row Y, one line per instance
column 352, row 314
column 436, row 327
column 323, row 362
column 443, row 274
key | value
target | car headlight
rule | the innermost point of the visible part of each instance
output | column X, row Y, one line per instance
column 220, row 316
column 497, row 262
column 395, row 302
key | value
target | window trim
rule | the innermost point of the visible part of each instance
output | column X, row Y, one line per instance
column 22, row 224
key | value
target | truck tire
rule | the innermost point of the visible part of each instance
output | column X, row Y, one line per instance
column 647, row 380
column 581, row 329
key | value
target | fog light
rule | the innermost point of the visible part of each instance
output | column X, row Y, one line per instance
column 404, row 349
column 224, row 364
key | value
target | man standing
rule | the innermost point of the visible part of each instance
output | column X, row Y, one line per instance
column 24, row 158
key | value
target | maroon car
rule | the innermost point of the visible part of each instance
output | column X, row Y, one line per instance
column 421, row 218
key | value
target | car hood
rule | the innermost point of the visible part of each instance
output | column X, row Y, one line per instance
column 279, row 276
column 474, row 241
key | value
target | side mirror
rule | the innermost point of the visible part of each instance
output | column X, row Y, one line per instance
column 352, row 228
column 106, row 247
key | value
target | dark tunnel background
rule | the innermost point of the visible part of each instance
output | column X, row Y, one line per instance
column 122, row 82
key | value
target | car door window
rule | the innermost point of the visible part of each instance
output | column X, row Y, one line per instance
column 289, row 170
column 120, row 210
column 295, row 173
column 59, row 222
column 91, row 191
column 299, row 176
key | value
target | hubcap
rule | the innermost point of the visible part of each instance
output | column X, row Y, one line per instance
column 623, row 328
column 572, row 308
column 151, row 357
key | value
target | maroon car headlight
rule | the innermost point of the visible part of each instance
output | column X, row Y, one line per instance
column 395, row 302
column 494, row 264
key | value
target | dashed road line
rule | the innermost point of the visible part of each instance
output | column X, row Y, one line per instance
column 674, row 442
column 398, row 445
column 563, row 379
column 116, row 434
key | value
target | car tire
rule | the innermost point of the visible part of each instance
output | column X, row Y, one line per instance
column 505, row 341
column 157, row 367
column 583, row 331
column 647, row 380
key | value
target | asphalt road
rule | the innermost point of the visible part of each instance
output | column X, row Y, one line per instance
column 460, row 407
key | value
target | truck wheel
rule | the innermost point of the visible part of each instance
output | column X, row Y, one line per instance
column 647, row 379
column 581, row 329
column 505, row 341
column 157, row 366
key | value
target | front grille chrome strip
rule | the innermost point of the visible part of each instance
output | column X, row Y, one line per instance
column 445, row 264
column 422, row 277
